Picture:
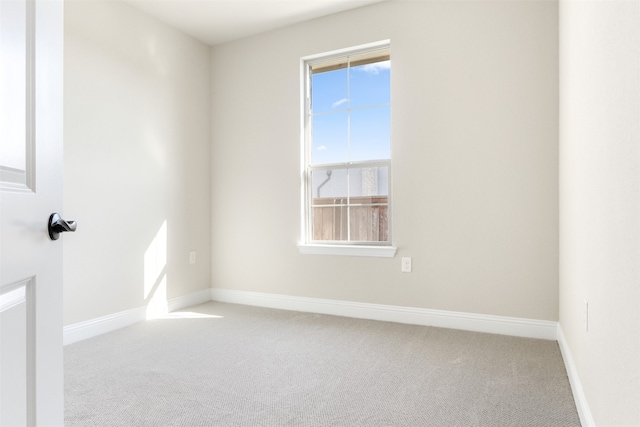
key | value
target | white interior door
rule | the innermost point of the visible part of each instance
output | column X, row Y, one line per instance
column 31, row 62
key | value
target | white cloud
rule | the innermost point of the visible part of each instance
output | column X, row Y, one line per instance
column 338, row 103
column 376, row 67
column 321, row 148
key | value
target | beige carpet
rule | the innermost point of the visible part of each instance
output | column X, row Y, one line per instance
column 230, row 365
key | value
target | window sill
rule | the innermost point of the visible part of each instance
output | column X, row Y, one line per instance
column 348, row 250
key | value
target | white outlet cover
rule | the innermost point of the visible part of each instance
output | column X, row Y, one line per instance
column 406, row 264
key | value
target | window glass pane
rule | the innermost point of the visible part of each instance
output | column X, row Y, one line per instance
column 329, row 91
column 329, row 143
column 329, row 221
column 370, row 84
column 329, row 184
column 369, row 182
column 369, row 223
column 370, row 134
column 329, row 204
column 369, row 204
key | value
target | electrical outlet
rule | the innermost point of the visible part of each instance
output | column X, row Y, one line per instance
column 192, row 257
column 406, row 264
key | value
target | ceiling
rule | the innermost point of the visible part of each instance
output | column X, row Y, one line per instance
column 220, row 21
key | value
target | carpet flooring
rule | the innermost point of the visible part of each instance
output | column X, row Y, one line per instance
column 230, row 365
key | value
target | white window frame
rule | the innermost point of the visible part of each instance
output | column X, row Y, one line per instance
column 307, row 245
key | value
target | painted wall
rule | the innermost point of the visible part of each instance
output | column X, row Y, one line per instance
column 474, row 146
column 137, row 172
column 600, row 202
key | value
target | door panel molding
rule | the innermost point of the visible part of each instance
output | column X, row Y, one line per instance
column 12, row 295
column 15, row 179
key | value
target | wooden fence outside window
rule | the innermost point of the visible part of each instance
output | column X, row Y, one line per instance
column 368, row 216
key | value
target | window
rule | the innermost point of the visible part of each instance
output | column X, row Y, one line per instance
column 347, row 147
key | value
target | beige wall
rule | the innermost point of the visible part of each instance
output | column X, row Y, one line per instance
column 474, row 146
column 137, row 152
column 600, row 202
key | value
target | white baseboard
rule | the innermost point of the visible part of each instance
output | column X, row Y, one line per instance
column 194, row 298
column 586, row 419
column 101, row 325
column 529, row 328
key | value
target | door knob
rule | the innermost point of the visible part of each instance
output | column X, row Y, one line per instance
column 58, row 225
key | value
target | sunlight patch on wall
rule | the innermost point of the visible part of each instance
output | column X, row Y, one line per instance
column 155, row 275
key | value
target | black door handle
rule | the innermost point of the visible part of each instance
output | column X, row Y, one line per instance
column 58, row 225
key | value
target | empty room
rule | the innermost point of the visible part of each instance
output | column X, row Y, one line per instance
column 320, row 213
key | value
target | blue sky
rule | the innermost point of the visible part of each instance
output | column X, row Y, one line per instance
column 336, row 106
